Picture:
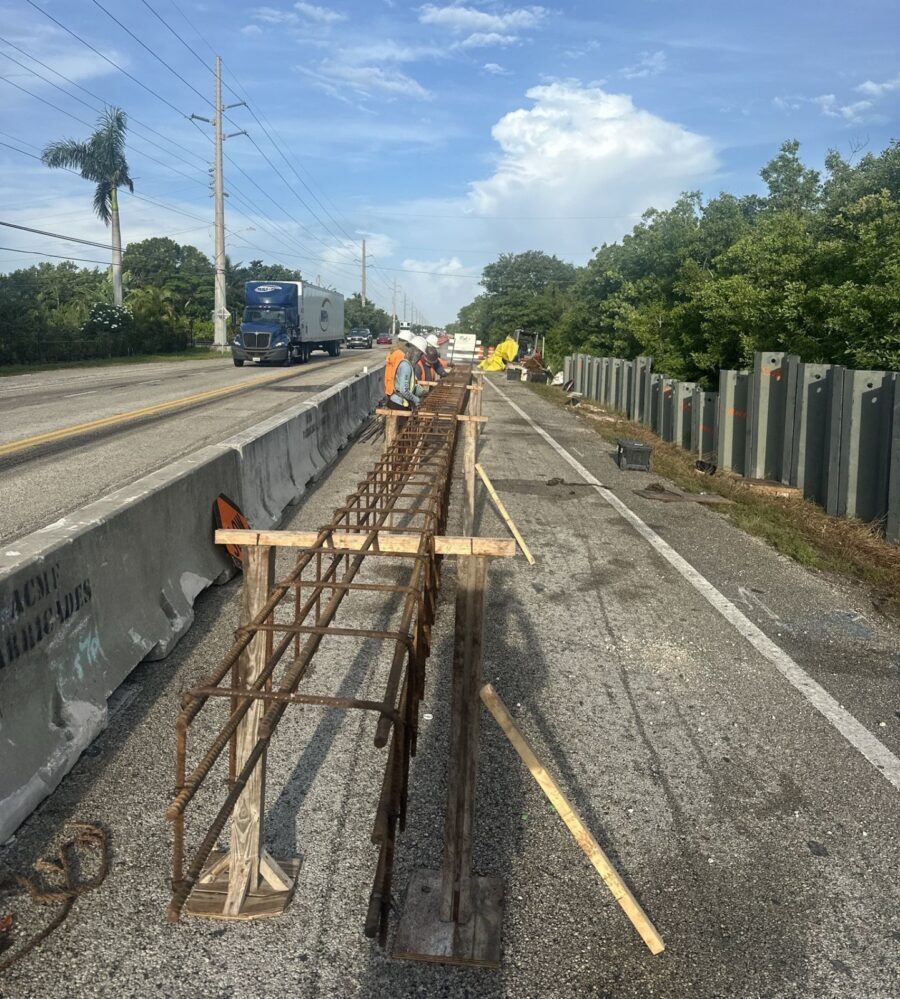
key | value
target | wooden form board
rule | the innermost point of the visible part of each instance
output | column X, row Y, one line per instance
column 387, row 542
column 621, row 891
column 460, row 418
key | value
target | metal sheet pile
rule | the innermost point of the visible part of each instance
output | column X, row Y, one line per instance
column 406, row 493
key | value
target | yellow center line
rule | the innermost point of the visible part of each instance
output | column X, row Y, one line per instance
column 135, row 414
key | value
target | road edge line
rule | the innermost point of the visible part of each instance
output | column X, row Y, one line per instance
column 859, row 737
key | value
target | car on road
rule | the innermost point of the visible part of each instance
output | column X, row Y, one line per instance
column 384, row 340
column 360, row 338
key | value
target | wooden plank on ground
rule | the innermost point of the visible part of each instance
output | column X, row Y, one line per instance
column 504, row 513
column 583, row 837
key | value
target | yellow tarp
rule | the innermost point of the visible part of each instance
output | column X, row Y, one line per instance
column 504, row 354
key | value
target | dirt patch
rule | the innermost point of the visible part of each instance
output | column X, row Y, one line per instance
column 794, row 526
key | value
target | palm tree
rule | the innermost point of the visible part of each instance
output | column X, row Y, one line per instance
column 102, row 160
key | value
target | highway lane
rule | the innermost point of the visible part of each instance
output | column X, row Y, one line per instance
column 49, row 478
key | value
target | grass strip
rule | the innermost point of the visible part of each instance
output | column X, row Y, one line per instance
column 794, row 526
column 195, row 355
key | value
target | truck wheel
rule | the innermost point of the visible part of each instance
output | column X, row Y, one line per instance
column 337, row 349
column 237, row 363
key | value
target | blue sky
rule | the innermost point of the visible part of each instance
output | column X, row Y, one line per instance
column 445, row 133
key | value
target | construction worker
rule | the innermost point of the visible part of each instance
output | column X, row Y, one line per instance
column 430, row 368
column 403, row 392
column 393, row 360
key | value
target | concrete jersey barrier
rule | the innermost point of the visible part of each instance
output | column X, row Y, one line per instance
column 87, row 598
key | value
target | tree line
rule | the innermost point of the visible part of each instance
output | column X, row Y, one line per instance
column 812, row 267
column 157, row 296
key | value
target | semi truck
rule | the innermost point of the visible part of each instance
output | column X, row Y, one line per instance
column 285, row 321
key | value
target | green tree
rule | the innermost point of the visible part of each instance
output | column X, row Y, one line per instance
column 360, row 316
column 100, row 160
column 792, row 186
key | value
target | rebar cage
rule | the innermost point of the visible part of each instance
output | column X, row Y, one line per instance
column 406, row 493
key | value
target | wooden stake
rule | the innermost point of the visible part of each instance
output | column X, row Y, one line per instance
column 585, row 840
column 504, row 513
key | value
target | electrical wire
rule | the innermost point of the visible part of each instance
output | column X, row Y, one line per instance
column 131, row 119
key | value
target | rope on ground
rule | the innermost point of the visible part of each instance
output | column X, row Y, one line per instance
column 87, row 837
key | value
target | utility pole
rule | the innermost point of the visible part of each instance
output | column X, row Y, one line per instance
column 394, row 310
column 364, row 272
column 220, row 310
column 404, row 308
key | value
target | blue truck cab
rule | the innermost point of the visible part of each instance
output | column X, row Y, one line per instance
column 284, row 321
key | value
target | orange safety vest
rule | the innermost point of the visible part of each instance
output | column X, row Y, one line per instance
column 390, row 370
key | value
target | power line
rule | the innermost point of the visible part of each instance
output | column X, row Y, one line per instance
column 155, row 55
column 131, row 194
column 212, row 104
column 56, row 256
column 106, row 58
column 81, row 121
column 55, row 235
column 131, row 119
column 169, row 28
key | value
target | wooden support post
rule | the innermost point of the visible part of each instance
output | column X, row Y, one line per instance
column 392, row 418
column 622, row 893
column 246, row 822
column 469, row 461
column 390, row 429
column 454, row 916
column 246, row 883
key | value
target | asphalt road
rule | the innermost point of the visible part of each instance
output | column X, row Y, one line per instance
column 50, row 478
column 762, row 843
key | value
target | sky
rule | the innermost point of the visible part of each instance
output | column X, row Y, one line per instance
column 444, row 134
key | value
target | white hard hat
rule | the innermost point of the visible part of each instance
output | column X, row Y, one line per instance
column 431, row 340
column 405, row 336
column 419, row 343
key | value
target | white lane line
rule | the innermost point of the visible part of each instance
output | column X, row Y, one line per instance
column 75, row 395
column 862, row 740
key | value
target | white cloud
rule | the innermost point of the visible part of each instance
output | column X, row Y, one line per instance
column 650, row 64
column 387, row 50
column 788, row 103
column 481, row 28
column 461, row 19
column 324, row 15
column 851, row 113
column 495, row 69
column 337, row 78
column 872, row 89
column 576, row 167
column 251, row 29
column 271, row 15
column 480, row 40
column 302, row 13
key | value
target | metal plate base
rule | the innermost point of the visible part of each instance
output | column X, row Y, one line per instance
column 423, row 936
